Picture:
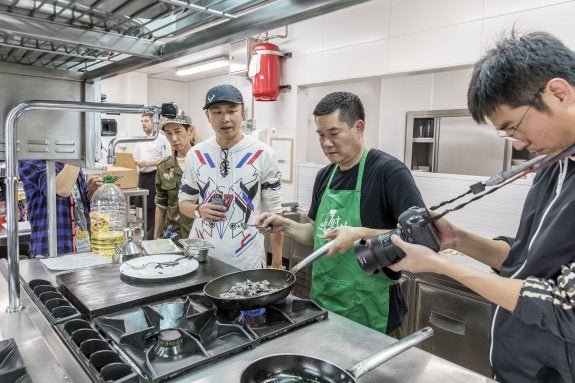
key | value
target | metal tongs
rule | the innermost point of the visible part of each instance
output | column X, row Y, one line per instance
column 244, row 225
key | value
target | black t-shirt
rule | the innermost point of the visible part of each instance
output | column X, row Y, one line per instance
column 387, row 190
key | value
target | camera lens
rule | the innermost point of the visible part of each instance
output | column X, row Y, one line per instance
column 379, row 252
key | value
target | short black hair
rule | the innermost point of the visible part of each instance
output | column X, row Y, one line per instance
column 516, row 70
column 349, row 105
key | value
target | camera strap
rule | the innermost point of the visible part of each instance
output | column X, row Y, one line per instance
column 480, row 186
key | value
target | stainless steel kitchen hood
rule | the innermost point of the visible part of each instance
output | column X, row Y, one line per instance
column 104, row 38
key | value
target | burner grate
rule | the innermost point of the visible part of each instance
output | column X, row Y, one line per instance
column 171, row 337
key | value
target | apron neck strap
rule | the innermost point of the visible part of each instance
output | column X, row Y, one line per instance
column 359, row 173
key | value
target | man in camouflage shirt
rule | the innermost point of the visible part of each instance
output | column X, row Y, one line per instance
column 169, row 222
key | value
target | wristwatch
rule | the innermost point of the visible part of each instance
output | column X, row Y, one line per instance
column 197, row 211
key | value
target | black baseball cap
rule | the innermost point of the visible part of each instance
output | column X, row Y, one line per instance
column 223, row 93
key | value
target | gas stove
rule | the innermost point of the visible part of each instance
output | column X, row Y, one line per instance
column 168, row 338
column 150, row 333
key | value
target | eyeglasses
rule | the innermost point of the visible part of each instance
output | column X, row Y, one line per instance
column 508, row 132
column 225, row 164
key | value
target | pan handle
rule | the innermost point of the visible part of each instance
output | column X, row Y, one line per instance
column 312, row 257
column 389, row 352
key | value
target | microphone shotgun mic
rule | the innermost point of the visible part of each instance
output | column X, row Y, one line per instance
column 506, row 174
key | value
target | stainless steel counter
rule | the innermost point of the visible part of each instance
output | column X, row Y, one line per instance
column 37, row 340
column 23, row 233
column 336, row 339
column 344, row 343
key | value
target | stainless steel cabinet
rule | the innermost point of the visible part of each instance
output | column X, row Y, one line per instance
column 293, row 252
column 449, row 141
column 461, row 320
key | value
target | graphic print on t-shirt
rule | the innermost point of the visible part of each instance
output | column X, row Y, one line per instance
column 237, row 197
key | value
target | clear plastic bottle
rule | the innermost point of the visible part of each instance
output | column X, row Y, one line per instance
column 108, row 218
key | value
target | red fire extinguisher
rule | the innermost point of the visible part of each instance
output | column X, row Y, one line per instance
column 265, row 71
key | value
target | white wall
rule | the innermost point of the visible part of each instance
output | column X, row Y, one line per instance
column 399, row 54
column 128, row 89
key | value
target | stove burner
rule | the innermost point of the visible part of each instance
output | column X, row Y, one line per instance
column 170, row 338
column 253, row 318
column 169, row 344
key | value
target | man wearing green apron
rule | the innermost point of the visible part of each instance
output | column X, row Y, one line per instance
column 361, row 194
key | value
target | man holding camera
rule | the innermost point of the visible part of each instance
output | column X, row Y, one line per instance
column 361, row 188
column 526, row 87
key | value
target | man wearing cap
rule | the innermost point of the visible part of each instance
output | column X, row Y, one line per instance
column 148, row 154
column 228, row 181
column 169, row 222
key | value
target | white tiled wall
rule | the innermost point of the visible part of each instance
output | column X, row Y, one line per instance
column 368, row 22
column 130, row 89
column 415, row 16
column 436, row 48
column 495, row 214
column 493, row 8
column 305, row 175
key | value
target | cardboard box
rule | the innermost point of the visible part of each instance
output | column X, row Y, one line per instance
column 125, row 167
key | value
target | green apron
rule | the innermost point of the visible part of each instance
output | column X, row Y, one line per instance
column 338, row 282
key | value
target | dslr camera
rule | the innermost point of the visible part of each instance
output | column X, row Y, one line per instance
column 169, row 110
column 376, row 253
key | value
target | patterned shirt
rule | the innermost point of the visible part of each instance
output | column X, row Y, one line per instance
column 246, row 180
column 168, row 181
column 33, row 176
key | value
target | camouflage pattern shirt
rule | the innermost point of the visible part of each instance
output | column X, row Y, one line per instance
column 168, row 180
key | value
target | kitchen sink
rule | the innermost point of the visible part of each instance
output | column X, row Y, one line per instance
column 297, row 216
column 287, row 247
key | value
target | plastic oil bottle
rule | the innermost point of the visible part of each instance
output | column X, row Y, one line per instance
column 108, row 218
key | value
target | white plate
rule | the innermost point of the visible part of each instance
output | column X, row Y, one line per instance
column 151, row 272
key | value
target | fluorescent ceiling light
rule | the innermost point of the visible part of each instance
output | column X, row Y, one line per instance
column 204, row 66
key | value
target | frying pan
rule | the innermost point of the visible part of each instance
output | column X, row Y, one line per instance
column 280, row 281
column 280, row 368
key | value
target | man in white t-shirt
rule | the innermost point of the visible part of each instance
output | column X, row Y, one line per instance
column 148, row 154
column 228, row 180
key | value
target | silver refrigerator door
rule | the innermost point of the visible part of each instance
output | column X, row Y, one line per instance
column 465, row 147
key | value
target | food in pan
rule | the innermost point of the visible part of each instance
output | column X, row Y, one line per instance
column 248, row 289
